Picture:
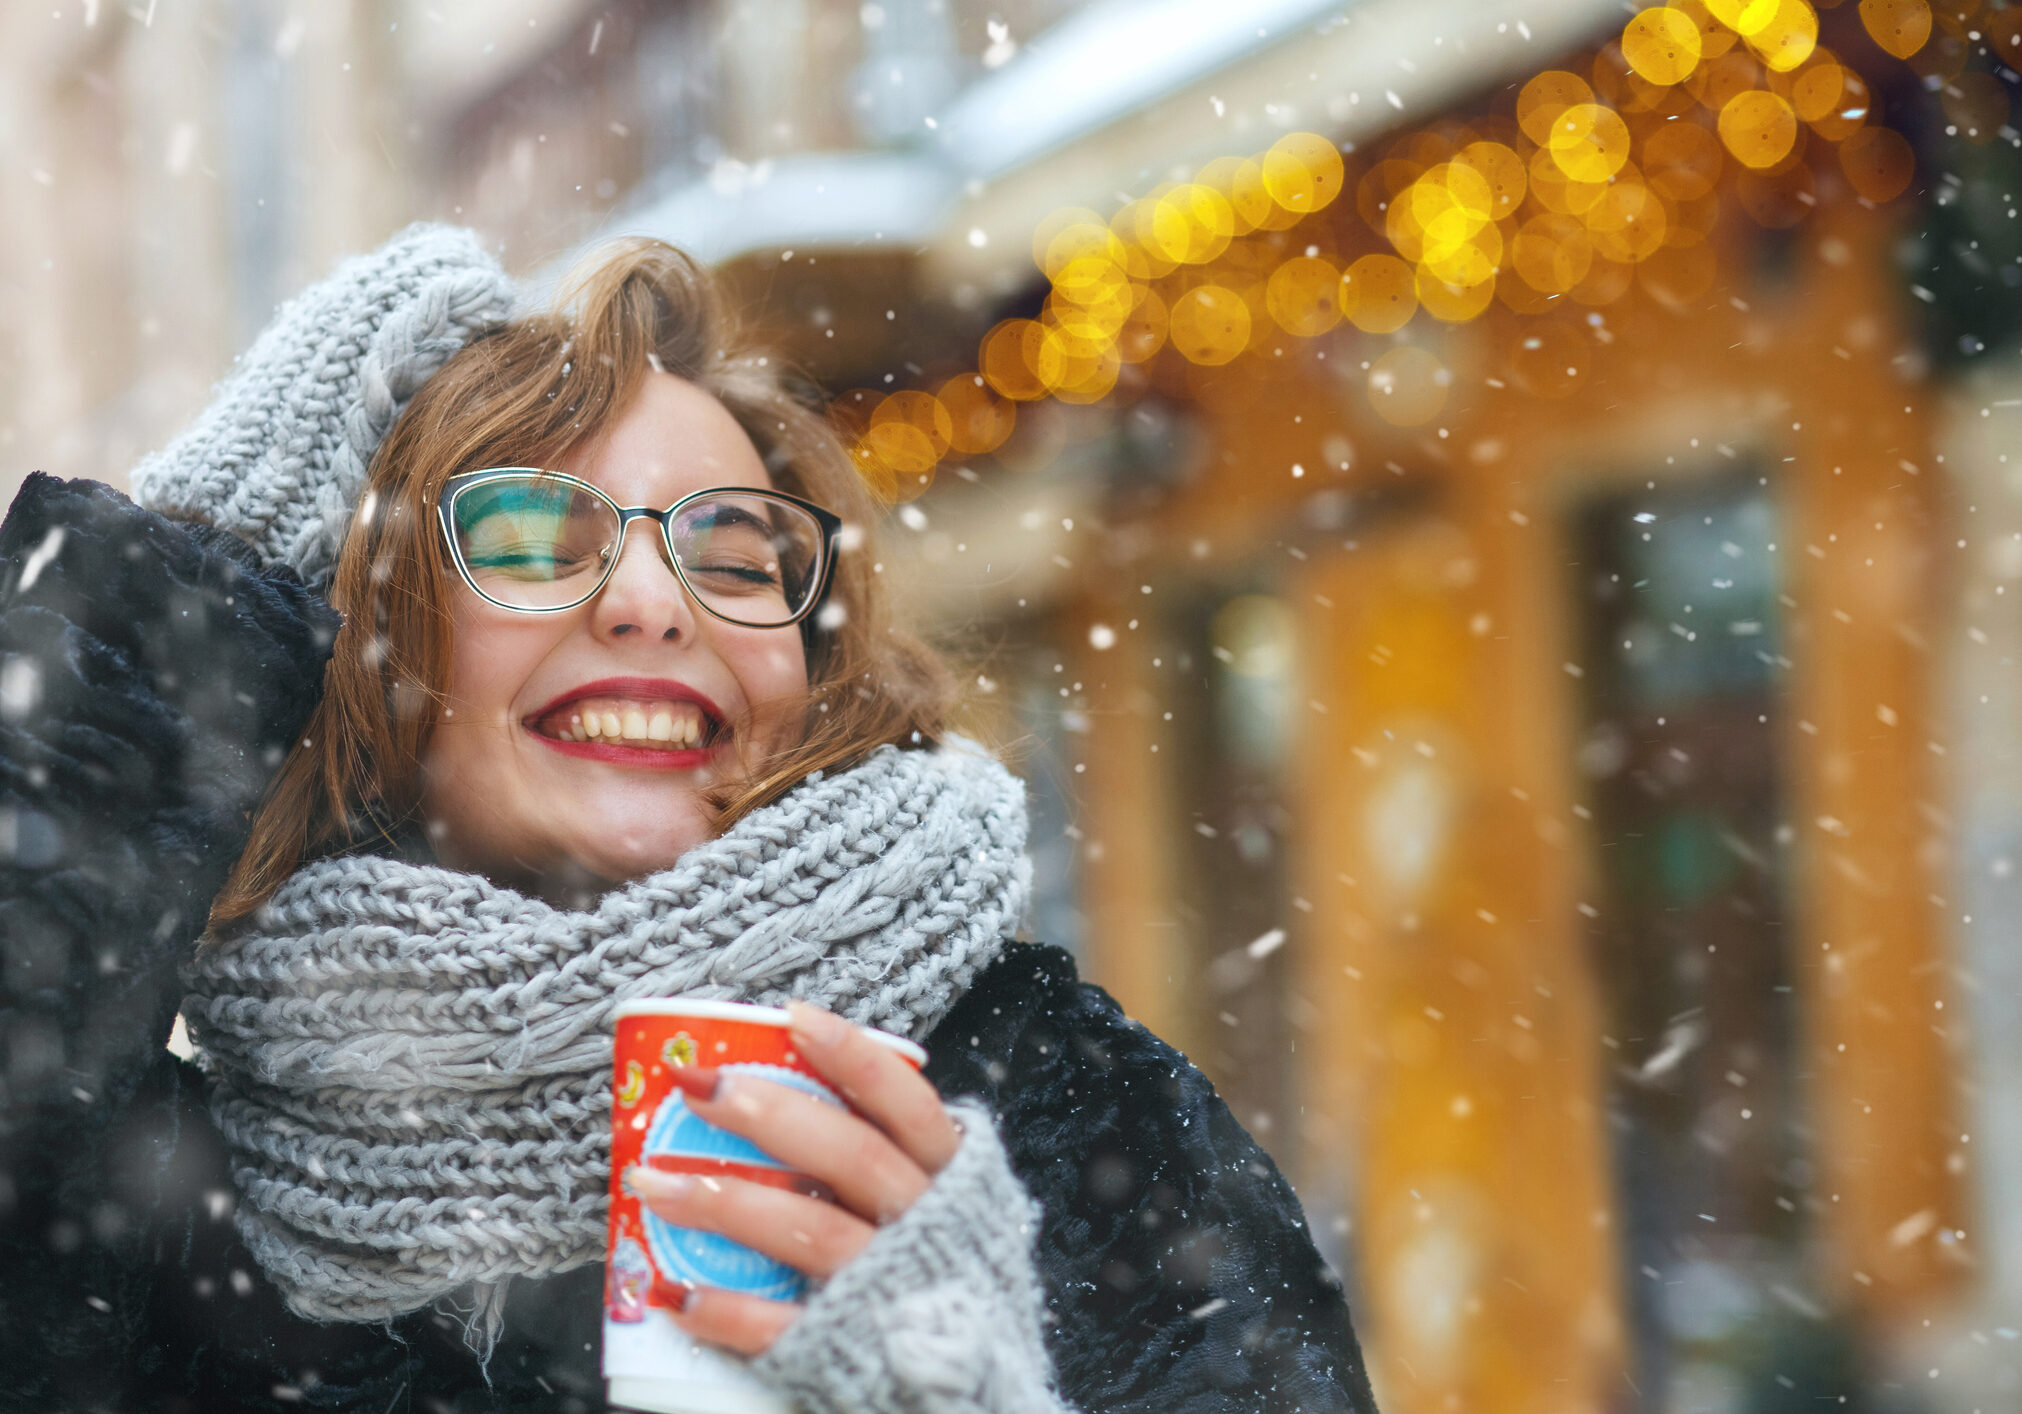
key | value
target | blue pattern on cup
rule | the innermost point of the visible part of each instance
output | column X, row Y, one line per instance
column 708, row 1258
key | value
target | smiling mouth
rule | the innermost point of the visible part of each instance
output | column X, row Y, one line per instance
column 632, row 723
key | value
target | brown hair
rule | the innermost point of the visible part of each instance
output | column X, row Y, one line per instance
column 526, row 395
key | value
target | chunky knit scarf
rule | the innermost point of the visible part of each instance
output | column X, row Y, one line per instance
column 411, row 1066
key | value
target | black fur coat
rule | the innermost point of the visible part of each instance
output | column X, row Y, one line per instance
column 151, row 676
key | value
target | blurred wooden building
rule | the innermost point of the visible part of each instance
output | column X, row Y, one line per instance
column 1504, row 747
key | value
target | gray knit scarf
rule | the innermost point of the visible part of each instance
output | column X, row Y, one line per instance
column 411, row 1066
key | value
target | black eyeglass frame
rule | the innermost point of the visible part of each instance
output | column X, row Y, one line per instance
column 824, row 570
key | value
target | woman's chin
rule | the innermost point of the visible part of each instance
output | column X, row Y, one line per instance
column 613, row 853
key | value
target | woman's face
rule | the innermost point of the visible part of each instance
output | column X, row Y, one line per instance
column 504, row 792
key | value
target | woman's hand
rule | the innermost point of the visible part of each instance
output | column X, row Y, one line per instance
column 877, row 1162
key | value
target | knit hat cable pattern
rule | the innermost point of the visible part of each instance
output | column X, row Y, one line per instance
column 279, row 456
column 411, row 1066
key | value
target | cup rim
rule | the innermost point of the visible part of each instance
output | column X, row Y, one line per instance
column 752, row 1015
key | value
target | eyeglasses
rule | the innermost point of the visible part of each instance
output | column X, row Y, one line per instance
column 541, row 542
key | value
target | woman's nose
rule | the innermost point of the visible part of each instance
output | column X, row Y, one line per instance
column 642, row 596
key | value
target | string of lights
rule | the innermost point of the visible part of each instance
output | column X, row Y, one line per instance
column 1609, row 177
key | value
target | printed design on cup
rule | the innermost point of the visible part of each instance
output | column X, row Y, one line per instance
column 631, row 1278
column 679, row 1050
column 633, row 1090
column 677, row 1133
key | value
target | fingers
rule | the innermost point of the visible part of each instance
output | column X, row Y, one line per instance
column 805, row 1233
column 746, row 1325
column 868, row 1173
column 882, row 1087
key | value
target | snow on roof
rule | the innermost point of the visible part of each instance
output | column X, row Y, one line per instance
column 1112, row 92
column 1102, row 62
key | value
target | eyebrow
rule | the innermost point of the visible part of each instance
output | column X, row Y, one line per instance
column 722, row 515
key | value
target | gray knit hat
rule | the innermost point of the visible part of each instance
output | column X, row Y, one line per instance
column 279, row 456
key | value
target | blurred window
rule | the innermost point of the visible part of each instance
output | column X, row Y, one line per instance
column 1679, row 597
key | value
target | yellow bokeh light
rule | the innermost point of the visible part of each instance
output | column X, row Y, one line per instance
column 1816, row 87
column 1081, row 332
column 1617, row 84
column 1715, row 84
column 1589, row 142
column 1454, row 302
column 1378, row 294
column 1682, row 160
column 1255, row 204
column 1301, row 296
column 921, row 411
column 1715, row 39
column 1144, row 333
column 1902, row 27
column 1086, row 379
column 1878, row 162
column 1139, row 263
column 1545, row 97
column 1210, row 325
column 1303, row 172
column 1054, row 227
column 1589, row 191
column 1191, row 224
column 1852, row 111
column 1380, row 188
column 1010, row 357
column 1503, row 171
column 1745, row 17
column 1250, row 195
column 1759, row 128
column 979, row 422
column 1142, row 229
column 903, row 449
column 1408, row 386
column 1084, row 245
column 1662, row 45
column 1441, row 212
column 1092, row 281
column 1555, row 191
column 1789, row 36
column 1552, row 253
column 1629, row 223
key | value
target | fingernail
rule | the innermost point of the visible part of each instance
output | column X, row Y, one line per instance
column 697, row 1081
column 824, row 1028
column 652, row 1183
column 683, row 1293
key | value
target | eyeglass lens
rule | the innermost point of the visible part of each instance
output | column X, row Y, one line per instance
column 538, row 543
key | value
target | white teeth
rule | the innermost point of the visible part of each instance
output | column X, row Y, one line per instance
column 677, row 725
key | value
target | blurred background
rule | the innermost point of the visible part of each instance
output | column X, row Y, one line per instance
column 1486, row 526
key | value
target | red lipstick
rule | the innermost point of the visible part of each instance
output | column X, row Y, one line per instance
column 631, row 690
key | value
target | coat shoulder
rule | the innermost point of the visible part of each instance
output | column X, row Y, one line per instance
column 1178, row 1268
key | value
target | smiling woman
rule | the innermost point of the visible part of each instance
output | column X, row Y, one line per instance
column 636, row 387
column 617, row 712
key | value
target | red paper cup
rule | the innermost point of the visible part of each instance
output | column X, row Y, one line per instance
column 650, row 1362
